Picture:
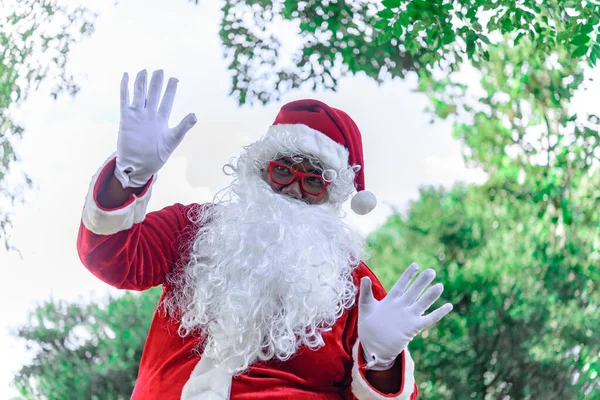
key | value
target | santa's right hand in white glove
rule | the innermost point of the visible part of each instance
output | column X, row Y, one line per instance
column 145, row 139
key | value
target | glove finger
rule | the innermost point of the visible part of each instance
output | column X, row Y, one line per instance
column 418, row 286
column 139, row 90
column 429, row 297
column 167, row 102
column 435, row 316
column 177, row 134
column 124, row 93
column 402, row 283
column 366, row 292
column 154, row 90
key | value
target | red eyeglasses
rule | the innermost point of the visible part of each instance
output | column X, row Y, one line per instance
column 283, row 174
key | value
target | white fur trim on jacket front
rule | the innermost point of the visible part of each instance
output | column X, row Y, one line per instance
column 108, row 222
column 362, row 390
column 311, row 141
column 207, row 382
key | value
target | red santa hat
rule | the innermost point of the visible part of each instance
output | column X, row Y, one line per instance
column 330, row 135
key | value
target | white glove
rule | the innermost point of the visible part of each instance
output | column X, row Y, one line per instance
column 386, row 327
column 145, row 139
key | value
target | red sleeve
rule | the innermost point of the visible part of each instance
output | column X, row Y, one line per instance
column 123, row 246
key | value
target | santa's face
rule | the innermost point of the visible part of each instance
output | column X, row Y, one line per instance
column 274, row 175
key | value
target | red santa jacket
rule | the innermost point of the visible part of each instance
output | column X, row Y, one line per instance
column 129, row 249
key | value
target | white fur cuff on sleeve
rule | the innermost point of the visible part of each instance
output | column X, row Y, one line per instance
column 362, row 390
column 107, row 222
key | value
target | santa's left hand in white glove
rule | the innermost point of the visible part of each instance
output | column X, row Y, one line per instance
column 386, row 327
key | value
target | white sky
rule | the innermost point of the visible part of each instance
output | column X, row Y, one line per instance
column 67, row 140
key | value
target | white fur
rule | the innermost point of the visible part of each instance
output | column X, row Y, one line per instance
column 103, row 222
column 207, row 382
column 312, row 142
column 363, row 391
column 300, row 140
column 363, row 202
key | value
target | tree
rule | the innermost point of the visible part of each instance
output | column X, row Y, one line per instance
column 89, row 351
column 518, row 255
column 516, row 330
column 35, row 39
column 389, row 39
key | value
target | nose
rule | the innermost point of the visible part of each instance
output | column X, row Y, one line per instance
column 293, row 189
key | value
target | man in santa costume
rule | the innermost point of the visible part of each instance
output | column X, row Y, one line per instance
column 264, row 295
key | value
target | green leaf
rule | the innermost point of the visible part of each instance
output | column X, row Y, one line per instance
column 471, row 38
column 384, row 37
column 448, row 38
column 381, row 24
column 592, row 59
column 403, row 19
column 484, row 38
column 386, row 13
column 391, row 3
column 519, row 37
column 580, row 52
column 594, row 55
column 586, row 29
column 581, row 40
column 398, row 29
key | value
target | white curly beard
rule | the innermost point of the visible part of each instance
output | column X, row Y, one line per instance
column 267, row 275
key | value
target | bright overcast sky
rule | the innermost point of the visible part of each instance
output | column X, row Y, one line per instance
column 66, row 141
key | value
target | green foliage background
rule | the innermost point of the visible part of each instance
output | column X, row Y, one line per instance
column 86, row 351
column 519, row 255
column 35, row 39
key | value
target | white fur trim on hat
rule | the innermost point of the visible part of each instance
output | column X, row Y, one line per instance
column 363, row 202
column 104, row 222
column 363, row 391
column 312, row 142
column 207, row 382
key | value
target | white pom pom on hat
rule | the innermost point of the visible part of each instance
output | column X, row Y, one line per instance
column 332, row 136
column 363, row 202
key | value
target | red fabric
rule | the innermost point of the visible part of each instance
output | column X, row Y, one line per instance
column 400, row 363
column 334, row 123
column 143, row 256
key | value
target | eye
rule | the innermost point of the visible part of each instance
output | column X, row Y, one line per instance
column 282, row 169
